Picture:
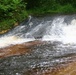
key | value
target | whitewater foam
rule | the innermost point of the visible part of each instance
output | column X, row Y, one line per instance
column 49, row 30
column 60, row 31
column 11, row 40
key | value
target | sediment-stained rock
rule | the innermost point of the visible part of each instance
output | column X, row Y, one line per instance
column 18, row 49
column 62, row 69
column 66, row 68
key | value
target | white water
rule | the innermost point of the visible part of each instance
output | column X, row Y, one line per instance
column 56, row 30
column 12, row 40
column 61, row 31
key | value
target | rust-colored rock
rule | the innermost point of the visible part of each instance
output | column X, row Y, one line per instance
column 18, row 49
column 4, row 31
column 67, row 69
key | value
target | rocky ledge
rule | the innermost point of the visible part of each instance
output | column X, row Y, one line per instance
column 19, row 49
column 7, row 55
column 62, row 69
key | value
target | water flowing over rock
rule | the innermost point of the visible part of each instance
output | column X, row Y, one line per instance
column 40, row 46
column 19, row 49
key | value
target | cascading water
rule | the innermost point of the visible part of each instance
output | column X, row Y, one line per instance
column 61, row 31
column 46, row 29
column 58, row 31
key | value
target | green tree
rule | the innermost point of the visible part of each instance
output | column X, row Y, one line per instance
column 11, row 8
column 11, row 12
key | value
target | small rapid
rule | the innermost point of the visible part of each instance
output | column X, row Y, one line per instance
column 12, row 40
column 61, row 31
column 59, row 34
column 57, row 28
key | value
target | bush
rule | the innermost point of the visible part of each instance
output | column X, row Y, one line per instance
column 7, row 24
column 11, row 8
column 66, row 9
column 11, row 11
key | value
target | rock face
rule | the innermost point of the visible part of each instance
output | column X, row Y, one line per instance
column 18, row 49
column 67, row 69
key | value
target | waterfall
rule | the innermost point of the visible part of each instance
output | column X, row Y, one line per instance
column 61, row 31
column 57, row 28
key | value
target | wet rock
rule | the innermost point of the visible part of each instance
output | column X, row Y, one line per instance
column 37, row 58
column 61, row 69
column 18, row 49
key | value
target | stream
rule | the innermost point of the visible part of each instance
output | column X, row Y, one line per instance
column 58, row 31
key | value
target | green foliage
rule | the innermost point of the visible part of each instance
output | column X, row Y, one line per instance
column 52, row 6
column 66, row 9
column 6, row 24
column 13, row 10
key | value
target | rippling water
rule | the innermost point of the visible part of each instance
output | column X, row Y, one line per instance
column 44, row 56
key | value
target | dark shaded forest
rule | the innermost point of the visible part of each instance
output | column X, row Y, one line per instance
column 15, row 11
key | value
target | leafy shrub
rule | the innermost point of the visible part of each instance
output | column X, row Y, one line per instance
column 66, row 9
column 11, row 11
column 11, row 8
